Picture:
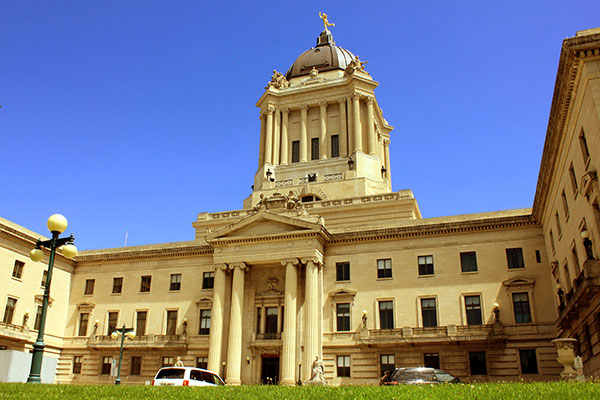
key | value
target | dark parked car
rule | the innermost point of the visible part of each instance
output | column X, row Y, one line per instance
column 417, row 376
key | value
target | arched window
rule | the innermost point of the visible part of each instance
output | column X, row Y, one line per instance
column 309, row 198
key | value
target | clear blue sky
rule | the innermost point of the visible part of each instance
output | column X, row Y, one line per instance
column 136, row 115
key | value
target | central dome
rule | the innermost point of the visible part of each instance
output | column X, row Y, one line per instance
column 325, row 57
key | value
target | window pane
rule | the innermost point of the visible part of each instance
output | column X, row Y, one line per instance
column 204, row 322
column 343, row 317
column 18, row 269
column 343, row 366
column 335, row 146
column 384, row 268
column 428, row 311
column 521, row 308
column 314, row 149
column 425, row 265
column 271, row 322
column 9, row 310
column 171, row 322
column 83, row 323
column 386, row 315
column 140, row 329
column 175, row 282
column 202, row 362
column 342, row 271
column 146, row 283
column 208, row 280
column 514, row 258
column 117, row 285
column 136, row 365
column 431, row 360
column 473, row 310
column 468, row 261
column 77, row 364
column 89, row 286
column 112, row 322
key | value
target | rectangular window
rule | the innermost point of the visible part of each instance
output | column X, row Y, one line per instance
column 202, row 362
column 384, row 268
column 258, row 320
column 106, row 365
column 175, row 282
column 44, row 278
column 343, row 317
column 528, row 362
column 335, row 146
column 83, row 324
column 146, row 283
column 167, row 361
column 342, row 271
column 386, row 314
column 514, row 258
column 18, row 269
column 343, row 366
column 171, row 322
column 473, row 310
column 387, row 362
column 585, row 151
column 295, row 151
column 538, row 256
column 89, row 286
column 567, row 283
column 314, row 148
column 431, row 360
column 425, row 265
column 117, row 285
column 575, row 258
column 38, row 318
column 271, row 321
column 521, row 307
column 9, row 310
column 563, row 196
column 468, row 261
column 140, row 323
column 573, row 178
column 77, row 364
column 552, row 245
column 136, row 365
column 558, row 227
column 428, row 312
column 208, row 280
column 477, row 364
column 113, row 318
column 204, row 322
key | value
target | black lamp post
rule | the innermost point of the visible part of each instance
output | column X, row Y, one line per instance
column 56, row 224
column 123, row 332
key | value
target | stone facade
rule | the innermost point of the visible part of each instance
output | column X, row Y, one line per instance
column 325, row 261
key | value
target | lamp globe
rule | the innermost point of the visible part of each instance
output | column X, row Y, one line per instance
column 57, row 223
column 69, row 250
column 36, row 255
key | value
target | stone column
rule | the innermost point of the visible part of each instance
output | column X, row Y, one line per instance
column 371, row 127
column 323, row 135
column 311, row 331
column 276, row 136
column 351, row 147
column 386, row 151
column 356, row 121
column 288, row 354
column 284, row 137
column 234, row 348
column 269, row 137
column 342, row 128
column 303, row 133
column 216, row 320
column 261, row 146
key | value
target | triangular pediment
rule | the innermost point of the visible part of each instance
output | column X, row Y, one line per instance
column 519, row 281
column 264, row 224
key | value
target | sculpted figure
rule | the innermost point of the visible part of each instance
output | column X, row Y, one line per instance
column 318, row 372
column 179, row 363
column 278, row 81
column 326, row 23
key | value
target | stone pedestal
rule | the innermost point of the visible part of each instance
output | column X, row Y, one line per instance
column 565, row 347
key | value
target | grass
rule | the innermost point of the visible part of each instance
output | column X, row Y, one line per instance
column 504, row 391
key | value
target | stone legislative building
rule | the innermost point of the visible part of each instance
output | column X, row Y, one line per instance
column 325, row 261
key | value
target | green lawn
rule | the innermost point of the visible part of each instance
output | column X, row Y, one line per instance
column 548, row 391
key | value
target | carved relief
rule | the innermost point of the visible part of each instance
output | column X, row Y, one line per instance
column 356, row 65
column 278, row 81
column 589, row 186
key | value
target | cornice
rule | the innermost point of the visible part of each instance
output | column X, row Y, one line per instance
column 144, row 254
column 323, row 235
column 440, row 229
column 574, row 53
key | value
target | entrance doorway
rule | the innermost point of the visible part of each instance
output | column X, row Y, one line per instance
column 270, row 370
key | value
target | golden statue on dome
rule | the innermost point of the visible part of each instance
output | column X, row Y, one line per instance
column 326, row 23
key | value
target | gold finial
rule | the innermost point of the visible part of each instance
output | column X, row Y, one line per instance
column 326, row 23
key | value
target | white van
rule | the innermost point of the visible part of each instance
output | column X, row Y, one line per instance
column 186, row 376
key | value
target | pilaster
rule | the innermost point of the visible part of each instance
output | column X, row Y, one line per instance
column 323, row 133
column 371, row 127
column 269, row 136
column 342, row 128
column 284, row 136
column 357, row 132
column 303, row 133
